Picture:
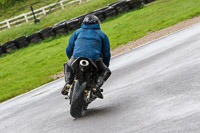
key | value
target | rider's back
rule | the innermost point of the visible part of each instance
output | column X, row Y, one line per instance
column 88, row 42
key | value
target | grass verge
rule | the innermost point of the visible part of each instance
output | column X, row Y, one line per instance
column 31, row 67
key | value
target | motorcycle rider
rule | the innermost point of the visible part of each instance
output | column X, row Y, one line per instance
column 91, row 42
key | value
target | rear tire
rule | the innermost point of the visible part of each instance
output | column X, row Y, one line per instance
column 78, row 102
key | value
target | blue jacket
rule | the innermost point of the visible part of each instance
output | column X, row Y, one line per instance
column 89, row 41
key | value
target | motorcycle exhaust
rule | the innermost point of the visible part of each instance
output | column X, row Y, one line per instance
column 84, row 64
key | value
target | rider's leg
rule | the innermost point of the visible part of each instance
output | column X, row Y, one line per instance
column 69, row 76
column 104, row 72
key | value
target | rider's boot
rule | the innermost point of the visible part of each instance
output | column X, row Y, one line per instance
column 104, row 75
column 69, row 77
column 100, row 82
column 65, row 89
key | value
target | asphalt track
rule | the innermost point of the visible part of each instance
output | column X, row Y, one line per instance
column 154, row 88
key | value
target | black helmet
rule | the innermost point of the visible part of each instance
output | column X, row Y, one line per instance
column 91, row 19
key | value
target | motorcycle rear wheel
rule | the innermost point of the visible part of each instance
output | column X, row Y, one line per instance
column 77, row 102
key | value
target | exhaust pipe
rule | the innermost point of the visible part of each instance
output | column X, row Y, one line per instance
column 84, row 63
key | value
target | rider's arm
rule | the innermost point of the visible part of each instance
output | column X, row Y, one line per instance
column 106, row 50
column 70, row 46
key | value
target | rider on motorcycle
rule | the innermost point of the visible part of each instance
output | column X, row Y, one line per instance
column 88, row 41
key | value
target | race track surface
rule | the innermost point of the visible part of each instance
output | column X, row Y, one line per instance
column 154, row 88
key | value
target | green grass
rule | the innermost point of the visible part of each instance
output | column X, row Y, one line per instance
column 51, row 19
column 28, row 68
column 19, row 6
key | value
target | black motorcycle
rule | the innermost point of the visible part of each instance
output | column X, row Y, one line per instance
column 83, row 90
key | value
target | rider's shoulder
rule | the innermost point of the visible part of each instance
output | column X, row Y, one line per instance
column 77, row 31
column 101, row 33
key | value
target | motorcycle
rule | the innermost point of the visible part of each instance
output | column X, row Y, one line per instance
column 83, row 90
